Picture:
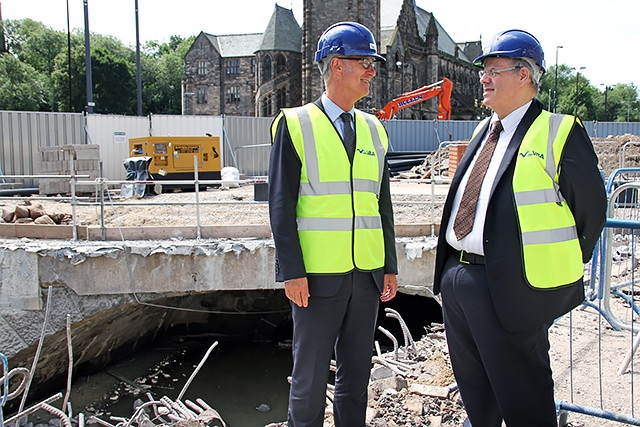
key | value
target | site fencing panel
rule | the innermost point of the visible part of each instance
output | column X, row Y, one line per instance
column 604, row 129
column 248, row 143
column 112, row 133
column 603, row 377
column 22, row 133
column 165, row 124
column 426, row 135
column 244, row 140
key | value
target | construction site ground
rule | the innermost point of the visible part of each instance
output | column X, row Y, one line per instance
column 582, row 356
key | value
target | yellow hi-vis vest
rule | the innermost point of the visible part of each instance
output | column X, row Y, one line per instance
column 339, row 225
column 550, row 246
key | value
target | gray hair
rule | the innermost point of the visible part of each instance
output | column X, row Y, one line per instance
column 325, row 69
column 535, row 70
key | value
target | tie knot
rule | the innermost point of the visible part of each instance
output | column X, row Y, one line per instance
column 497, row 127
column 346, row 117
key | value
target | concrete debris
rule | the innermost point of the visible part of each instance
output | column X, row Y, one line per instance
column 417, row 388
column 27, row 212
column 415, row 247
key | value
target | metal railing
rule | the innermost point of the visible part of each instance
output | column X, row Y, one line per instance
column 611, row 277
column 101, row 186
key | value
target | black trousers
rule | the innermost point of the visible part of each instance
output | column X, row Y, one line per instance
column 341, row 321
column 501, row 375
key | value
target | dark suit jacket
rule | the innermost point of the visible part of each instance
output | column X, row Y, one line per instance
column 518, row 305
column 284, row 181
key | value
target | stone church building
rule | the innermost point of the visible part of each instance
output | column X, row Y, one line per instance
column 257, row 74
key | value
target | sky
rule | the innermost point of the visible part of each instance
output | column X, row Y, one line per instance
column 601, row 36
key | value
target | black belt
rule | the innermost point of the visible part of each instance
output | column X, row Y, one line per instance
column 468, row 258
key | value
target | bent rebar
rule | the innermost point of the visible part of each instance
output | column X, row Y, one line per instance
column 195, row 371
column 408, row 339
column 393, row 339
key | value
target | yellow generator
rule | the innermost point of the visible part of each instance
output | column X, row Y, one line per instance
column 172, row 158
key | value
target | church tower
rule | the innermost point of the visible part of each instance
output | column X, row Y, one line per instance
column 317, row 16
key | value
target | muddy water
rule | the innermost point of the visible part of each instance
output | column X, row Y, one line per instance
column 245, row 382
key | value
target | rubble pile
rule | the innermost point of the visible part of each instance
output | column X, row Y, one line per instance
column 434, row 163
column 26, row 212
column 423, row 395
column 412, row 385
column 617, row 151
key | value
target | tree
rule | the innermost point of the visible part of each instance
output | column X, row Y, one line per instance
column 577, row 94
column 21, row 86
column 162, row 71
column 114, row 85
column 622, row 103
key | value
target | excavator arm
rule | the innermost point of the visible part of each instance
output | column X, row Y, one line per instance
column 441, row 89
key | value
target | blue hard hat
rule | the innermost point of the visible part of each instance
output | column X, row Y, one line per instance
column 348, row 39
column 513, row 44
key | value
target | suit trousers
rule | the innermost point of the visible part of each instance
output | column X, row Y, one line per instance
column 338, row 321
column 502, row 375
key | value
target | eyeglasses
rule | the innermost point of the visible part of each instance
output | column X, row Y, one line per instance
column 366, row 62
column 493, row 73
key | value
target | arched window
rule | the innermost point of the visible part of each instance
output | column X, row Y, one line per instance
column 265, row 106
column 266, row 69
column 281, row 98
column 281, row 64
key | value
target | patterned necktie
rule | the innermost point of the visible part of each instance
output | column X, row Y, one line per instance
column 349, row 135
column 467, row 211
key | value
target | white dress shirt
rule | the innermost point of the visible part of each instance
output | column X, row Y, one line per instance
column 472, row 243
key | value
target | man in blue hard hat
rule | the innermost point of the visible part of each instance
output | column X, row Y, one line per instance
column 525, row 209
column 332, row 223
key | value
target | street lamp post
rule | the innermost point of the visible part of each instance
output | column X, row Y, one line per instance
column 606, row 88
column 555, row 90
column 138, row 66
column 577, row 80
column 87, row 59
column 69, row 59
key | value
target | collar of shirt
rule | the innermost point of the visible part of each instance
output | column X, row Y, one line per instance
column 333, row 112
column 511, row 121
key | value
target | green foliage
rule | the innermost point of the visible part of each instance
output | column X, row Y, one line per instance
column 577, row 95
column 21, row 86
column 113, row 83
column 35, row 72
column 163, row 70
column 34, row 75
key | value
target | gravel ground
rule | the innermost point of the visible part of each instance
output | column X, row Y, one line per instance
column 412, row 204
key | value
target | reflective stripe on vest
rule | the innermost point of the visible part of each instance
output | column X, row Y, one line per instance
column 551, row 250
column 339, row 225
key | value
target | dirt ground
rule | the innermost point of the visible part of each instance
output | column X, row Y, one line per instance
column 586, row 352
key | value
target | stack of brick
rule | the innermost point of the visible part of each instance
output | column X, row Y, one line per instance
column 456, row 151
column 58, row 161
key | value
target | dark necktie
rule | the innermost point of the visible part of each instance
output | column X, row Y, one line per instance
column 467, row 211
column 349, row 135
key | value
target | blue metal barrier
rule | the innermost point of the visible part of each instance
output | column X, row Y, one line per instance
column 612, row 274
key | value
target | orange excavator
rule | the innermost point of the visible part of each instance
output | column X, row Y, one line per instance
column 441, row 89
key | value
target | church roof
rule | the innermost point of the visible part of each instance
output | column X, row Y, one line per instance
column 236, row 45
column 283, row 32
column 387, row 34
